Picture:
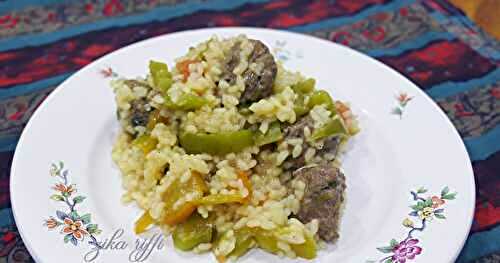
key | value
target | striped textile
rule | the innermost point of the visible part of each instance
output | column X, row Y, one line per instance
column 42, row 42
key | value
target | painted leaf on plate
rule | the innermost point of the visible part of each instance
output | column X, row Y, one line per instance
column 61, row 215
column 79, row 199
column 85, row 218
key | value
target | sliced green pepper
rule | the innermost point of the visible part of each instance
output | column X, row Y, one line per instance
column 266, row 240
column 155, row 67
column 162, row 78
column 186, row 102
column 307, row 249
column 273, row 134
column 146, row 143
column 216, row 143
column 244, row 242
column 321, row 97
column 164, row 84
column 304, row 86
column 334, row 126
column 218, row 199
column 299, row 107
column 196, row 230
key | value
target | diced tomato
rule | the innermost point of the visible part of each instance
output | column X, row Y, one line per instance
column 183, row 67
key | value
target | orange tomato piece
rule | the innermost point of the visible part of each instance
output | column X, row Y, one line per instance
column 183, row 67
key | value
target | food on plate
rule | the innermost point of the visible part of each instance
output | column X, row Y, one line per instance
column 227, row 151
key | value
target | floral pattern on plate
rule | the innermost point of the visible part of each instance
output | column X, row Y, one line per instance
column 402, row 100
column 424, row 210
column 108, row 73
column 74, row 226
column 282, row 53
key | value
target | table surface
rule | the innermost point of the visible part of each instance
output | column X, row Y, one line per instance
column 431, row 42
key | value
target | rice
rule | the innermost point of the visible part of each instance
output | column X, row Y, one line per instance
column 153, row 163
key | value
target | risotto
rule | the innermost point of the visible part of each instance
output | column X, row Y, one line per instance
column 228, row 151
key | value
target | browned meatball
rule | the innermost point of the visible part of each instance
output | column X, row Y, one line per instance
column 259, row 85
column 139, row 110
column 296, row 130
column 232, row 60
column 323, row 196
column 139, row 113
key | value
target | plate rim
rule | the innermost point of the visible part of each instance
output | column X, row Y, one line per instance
column 239, row 30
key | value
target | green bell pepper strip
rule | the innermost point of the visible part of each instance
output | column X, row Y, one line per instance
column 196, row 230
column 268, row 241
column 146, row 143
column 317, row 97
column 164, row 84
column 321, row 97
column 307, row 249
column 217, row 199
column 299, row 107
column 334, row 126
column 186, row 102
column 273, row 134
column 216, row 143
column 305, row 86
column 162, row 78
column 244, row 242
column 155, row 67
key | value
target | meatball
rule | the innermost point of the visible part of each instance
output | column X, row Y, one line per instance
column 232, row 60
column 259, row 81
column 323, row 197
column 139, row 108
column 139, row 112
column 327, row 153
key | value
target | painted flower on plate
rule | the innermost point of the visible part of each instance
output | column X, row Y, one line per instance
column 68, row 190
column 54, row 171
column 406, row 249
column 51, row 223
column 426, row 213
column 408, row 223
column 423, row 210
column 403, row 99
column 437, row 202
column 108, row 72
column 74, row 228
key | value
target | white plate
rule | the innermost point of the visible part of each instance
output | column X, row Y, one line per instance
column 406, row 143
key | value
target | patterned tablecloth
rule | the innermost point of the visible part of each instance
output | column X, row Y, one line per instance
column 429, row 41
